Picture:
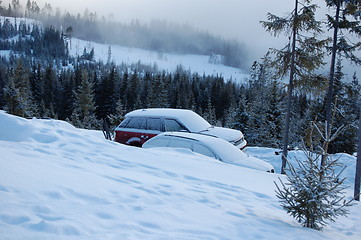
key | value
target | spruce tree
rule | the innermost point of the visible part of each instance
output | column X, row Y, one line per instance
column 12, row 99
column 271, row 128
column 300, row 57
column 84, row 107
column 345, row 99
column 346, row 21
column 132, row 91
column 209, row 113
column 314, row 191
column 18, row 95
column 119, row 115
column 158, row 92
column 105, row 93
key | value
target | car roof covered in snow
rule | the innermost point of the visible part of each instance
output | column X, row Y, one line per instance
column 188, row 118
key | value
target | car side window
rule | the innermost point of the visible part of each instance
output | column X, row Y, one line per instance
column 181, row 143
column 159, row 142
column 137, row 122
column 198, row 148
column 172, row 125
column 154, row 124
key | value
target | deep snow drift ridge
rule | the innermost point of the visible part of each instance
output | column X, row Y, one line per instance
column 57, row 181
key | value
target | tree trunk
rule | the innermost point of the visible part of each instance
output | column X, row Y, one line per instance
column 329, row 96
column 358, row 164
column 289, row 95
column 332, row 70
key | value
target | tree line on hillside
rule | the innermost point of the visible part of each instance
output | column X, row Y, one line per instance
column 159, row 35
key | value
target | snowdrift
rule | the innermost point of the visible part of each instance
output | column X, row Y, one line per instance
column 60, row 182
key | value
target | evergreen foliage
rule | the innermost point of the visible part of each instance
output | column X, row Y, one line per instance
column 84, row 107
column 300, row 57
column 313, row 193
column 346, row 18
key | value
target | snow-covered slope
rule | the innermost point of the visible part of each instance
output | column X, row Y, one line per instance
column 60, row 182
column 165, row 61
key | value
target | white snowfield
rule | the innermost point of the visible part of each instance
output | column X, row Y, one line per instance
column 165, row 61
column 60, row 182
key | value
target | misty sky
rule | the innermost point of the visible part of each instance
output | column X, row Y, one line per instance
column 231, row 19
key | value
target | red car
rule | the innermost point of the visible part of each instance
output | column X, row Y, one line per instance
column 143, row 124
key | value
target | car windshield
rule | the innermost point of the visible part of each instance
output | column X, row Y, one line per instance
column 194, row 122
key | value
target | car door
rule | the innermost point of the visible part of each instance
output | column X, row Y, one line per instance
column 132, row 131
column 154, row 127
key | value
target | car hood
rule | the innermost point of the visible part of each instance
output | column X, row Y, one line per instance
column 227, row 134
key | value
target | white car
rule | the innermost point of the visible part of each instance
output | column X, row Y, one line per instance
column 209, row 146
column 141, row 125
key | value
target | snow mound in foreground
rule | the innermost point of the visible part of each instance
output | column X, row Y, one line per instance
column 57, row 181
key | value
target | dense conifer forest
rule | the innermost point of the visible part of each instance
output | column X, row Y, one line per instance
column 38, row 78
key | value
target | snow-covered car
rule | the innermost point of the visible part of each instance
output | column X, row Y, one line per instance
column 143, row 124
column 209, row 146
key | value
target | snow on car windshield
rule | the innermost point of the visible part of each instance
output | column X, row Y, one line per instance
column 193, row 121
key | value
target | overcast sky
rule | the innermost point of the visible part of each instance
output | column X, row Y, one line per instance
column 231, row 19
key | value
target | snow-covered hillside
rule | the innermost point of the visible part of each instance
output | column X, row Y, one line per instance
column 60, row 182
column 165, row 61
column 200, row 64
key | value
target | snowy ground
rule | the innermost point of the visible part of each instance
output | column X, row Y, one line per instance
column 60, row 182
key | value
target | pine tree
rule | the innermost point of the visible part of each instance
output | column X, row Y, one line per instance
column 119, row 115
column 209, row 113
column 12, row 99
column 271, row 129
column 18, row 95
column 158, row 92
column 84, row 109
column 314, row 191
column 301, row 56
column 109, row 61
column 345, row 99
column 69, row 34
column 105, row 93
column 346, row 19
column 132, row 91
column 241, row 119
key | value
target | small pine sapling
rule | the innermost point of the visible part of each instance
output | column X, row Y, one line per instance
column 314, row 191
